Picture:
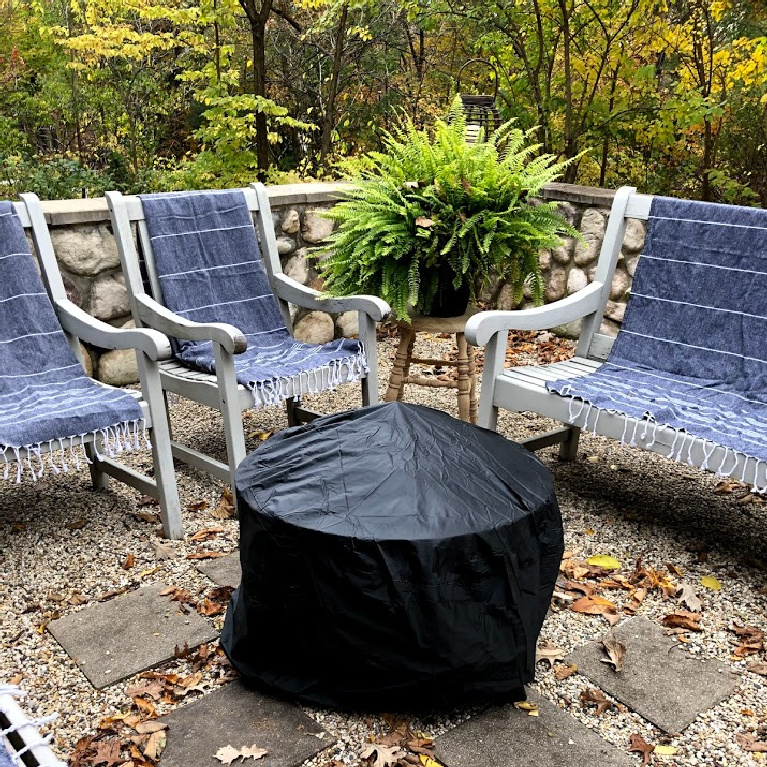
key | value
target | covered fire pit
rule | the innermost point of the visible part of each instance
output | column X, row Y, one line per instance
column 392, row 558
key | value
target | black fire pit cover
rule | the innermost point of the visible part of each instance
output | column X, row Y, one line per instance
column 392, row 558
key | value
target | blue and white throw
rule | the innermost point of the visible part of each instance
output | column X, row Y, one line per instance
column 11, row 756
column 46, row 399
column 692, row 351
column 210, row 270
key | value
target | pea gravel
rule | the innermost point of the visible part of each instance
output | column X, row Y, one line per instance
column 62, row 544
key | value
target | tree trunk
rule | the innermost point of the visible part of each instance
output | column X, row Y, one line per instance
column 329, row 119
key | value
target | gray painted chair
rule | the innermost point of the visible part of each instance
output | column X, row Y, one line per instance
column 27, row 745
column 222, row 391
column 150, row 346
column 524, row 388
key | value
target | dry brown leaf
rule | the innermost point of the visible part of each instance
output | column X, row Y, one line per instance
column 561, row 672
column 15, row 680
column 638, row 743
column 616, row 651
column 547, row 652
column 155, row 745
column 147, row 500
column 163, row 551
column 129, row 562
column 209, row 608
column 683, row 620
column 206, row 555
column 197, row 506
column 749, row 742
column 686, row 594
column 382, row 756
column 596, row 606
column 107, row 752
column 145, row 706
column 146, row 690
column 206, row 534
column 757, row 667
column 227, row 754
column 78, row 524
column 592, row 695
column 150, row 726
column 225, row 507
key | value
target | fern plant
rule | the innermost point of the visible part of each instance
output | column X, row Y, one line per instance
column 436, row 208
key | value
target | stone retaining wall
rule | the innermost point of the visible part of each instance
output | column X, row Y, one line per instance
column 90, row 266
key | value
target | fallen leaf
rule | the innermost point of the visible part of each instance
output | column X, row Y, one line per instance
column 596, row 606
column 108, row 752
column 605, row 561
column 129, row 562
column 150, row 726
column 253, row 752
column 548, row 652
column 757, row 667
column 674, row 569
column 687, row 596
column 683, row 620
column 526, row 705
column 382, row 756
column 197, row 506
column 155, row 745
column 638, row 743
column 424, row 222
column 665, row 750
column 163, row 551
column 616, row 652
column 709, row 582
column 595, row 696
column 204, row 535
column 206, row 555
column 227, row 754
column 152, row 690
column 147, row 500
column 749, row 742
column 561, row 672
column 145, row 706
column 225, row 508
column 15, row 680
column 78, row 524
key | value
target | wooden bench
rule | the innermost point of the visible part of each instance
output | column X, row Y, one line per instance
column 524, row 388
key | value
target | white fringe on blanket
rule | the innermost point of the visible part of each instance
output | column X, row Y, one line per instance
column 680, row 453
column 325, row 378
column 30, row 743
column 122, row 437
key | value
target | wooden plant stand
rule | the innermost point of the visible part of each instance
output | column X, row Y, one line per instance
column 467, row 369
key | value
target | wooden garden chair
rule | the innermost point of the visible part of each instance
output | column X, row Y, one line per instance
column 46, row 391
column 693, row 341
column 219, row 387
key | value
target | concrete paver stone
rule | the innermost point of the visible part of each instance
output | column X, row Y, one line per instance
column 223, row 571
column 111, row 641
column 660, row 679
column 240, row 718
column 505, row 736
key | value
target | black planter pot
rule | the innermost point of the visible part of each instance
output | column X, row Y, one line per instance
column 449, row 301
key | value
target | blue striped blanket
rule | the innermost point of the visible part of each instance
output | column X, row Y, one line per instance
column 210, row 270
column 692, row 351
column 45, row 395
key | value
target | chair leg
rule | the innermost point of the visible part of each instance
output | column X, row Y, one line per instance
column 290, row 408
column 464, row 385
column 370, row 344
column 162, row 456
column 99, row 478
column 568, row 450
column 230, row 410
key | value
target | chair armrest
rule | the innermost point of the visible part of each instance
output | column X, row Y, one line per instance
column 164, row 320
column 79, row 323
column 483, row 326
column 294, row 292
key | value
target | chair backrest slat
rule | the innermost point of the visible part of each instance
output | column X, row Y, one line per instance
column 626, row 205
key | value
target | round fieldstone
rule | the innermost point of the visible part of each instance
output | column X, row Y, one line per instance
column 609, row 328
column 297, row 267
column 615, row 310
column 316, row 227
column 74, row 294
column 348, row 324
column 109, row 297
column 544, row 258
column 634, row 237
column 576, row 280
column 571, row 330
column 87, row 361
column 631, row 265
column 285, row 245
column 563, row 254
column 620, row 285
column 118, row 367
column 85, row 250
column 292, row 222
column 315, row 328
column 557, row 284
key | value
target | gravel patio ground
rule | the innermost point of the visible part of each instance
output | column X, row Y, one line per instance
column 62, row 546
